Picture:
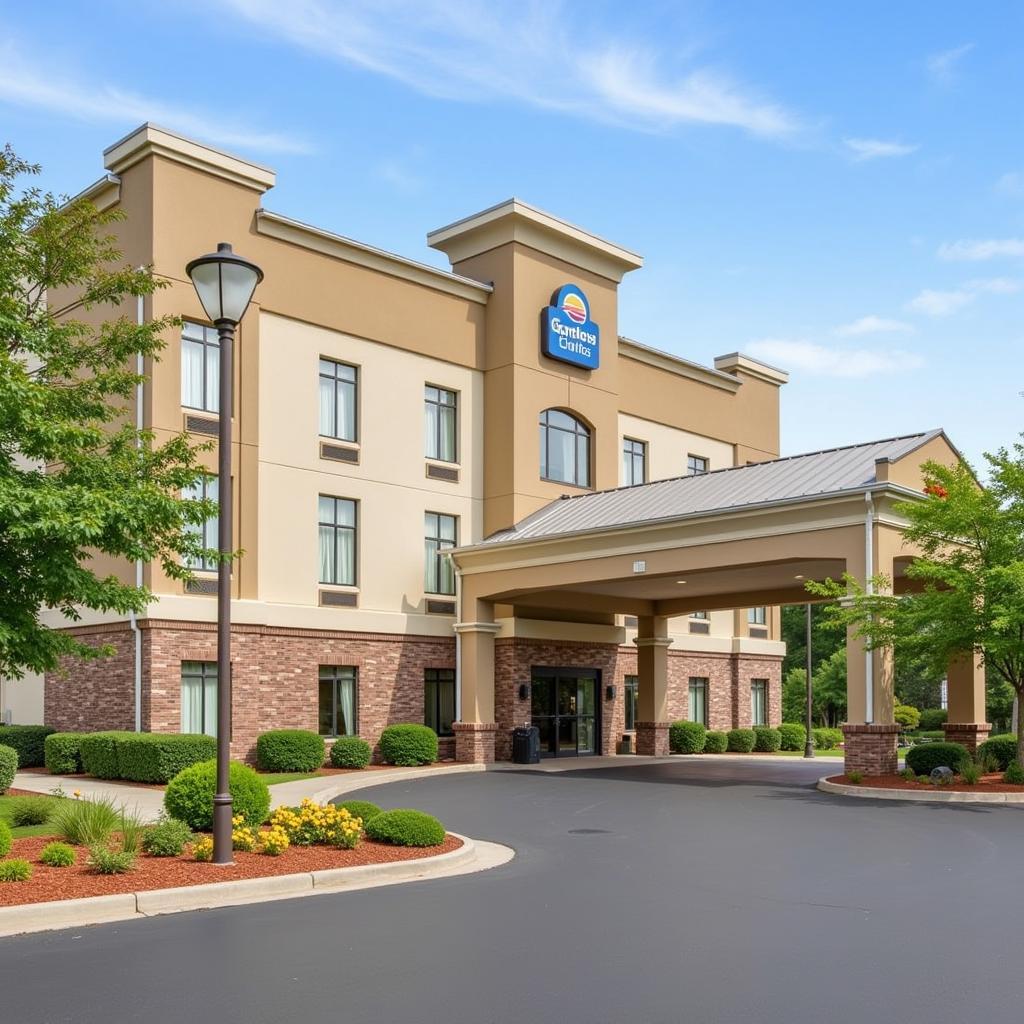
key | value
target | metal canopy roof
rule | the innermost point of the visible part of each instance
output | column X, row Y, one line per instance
column 792, row 478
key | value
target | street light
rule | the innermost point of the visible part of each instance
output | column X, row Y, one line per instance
column 809, row 739
column 224, row 283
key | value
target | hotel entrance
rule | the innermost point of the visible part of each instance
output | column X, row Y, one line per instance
column 566, row 710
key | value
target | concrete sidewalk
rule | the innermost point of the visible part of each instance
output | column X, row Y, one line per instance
column 148, row 802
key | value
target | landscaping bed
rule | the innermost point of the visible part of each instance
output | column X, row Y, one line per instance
column 989, row 783
column 48, row 884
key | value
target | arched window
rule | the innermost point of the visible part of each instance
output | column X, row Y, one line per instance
column 564, row 448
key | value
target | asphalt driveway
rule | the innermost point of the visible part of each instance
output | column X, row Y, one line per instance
column 699, row 891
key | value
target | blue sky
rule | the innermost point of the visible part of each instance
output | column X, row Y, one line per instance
column 837, row 189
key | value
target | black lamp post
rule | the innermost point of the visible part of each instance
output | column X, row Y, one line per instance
column 809, row 741
column 224, row 283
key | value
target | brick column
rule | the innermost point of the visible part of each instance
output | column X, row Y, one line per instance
column 970, row 734
column 871, row 749
column 652, row 644
column 474, row 742
column 652, row 739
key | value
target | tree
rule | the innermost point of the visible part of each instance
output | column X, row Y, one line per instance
column 970, row 569
column 824, row 641
column 828, row 685
column 76, row 479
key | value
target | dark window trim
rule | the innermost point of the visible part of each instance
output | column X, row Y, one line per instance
column 584, row 431
column 633, row 455
column 630, row 686
column 449, row 674
column 207, row 670
column 336, row 528
column 453, row 405
column 207, row 344
column 704, row 683
column 355, row 402
column 334, row 670
column 697, row 472
column 439, row 554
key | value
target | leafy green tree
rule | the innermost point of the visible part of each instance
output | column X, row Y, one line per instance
column 828, row 685
column 907, row 716
column 76, row 479
column 824, row 641
column 971, row 571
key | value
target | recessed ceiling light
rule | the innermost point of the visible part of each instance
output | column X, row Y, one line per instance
column 680, row 581
column 798, row 577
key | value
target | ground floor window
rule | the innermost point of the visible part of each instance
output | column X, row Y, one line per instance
column 758, row 701
column 337, row 700
column 632, row 688
column 439, row 700
column 699, row 700
column 199, row 697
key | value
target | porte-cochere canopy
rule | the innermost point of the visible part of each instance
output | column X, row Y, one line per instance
column 734, row 538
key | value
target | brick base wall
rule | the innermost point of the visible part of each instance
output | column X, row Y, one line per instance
column 474, row 742
column 871, row 749
column 970, row 734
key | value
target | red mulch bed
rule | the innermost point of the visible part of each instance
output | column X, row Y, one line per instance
column 986, row 784
column 47, row 884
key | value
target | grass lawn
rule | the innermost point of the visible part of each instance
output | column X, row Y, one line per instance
column 817, row 753
column 273, row 778
column 7, row 804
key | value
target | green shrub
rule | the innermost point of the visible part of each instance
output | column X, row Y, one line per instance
column 158, row 757
column 827, row 739
column 855, row 777
column 15, row 870
column 27, row 740
column 686, row 737
column 105, row 861
column 793, row 736
column 167, row 838
column 766, row 739
column 906, row 716
column 360, row 809
column 189, row 796
column 909, row 774
column 408, row 745
column 86, row 822
column 289, row 750
column 5, row 838
column 30, row 810
column 57, row 855
column 99, row 753
column 970, row 772
column 62, row 753
column 1001, row 750
column 741, row 741
column 8, row 766
column 350, row 752
column 927, row 756
column 132, row 829
column 1014, row 774
column 715, row 742
column 405, row 828
column 932, row 718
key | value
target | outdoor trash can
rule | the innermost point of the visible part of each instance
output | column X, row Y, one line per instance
column 526, row 745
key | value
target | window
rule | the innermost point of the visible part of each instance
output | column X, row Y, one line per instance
column 632, row 688
column 337, row 700
column 699, row 700
column 696, row 465
column 206, row 532
column 337, row 541
column 199, row 697
column 699, row 615
column 439, row 410
column 338, row 383
column 756, row 616
column 439, row 700
column 200, row 367
column 441, row 533
column 634, row 462
column 758, row 701
column 564, row 449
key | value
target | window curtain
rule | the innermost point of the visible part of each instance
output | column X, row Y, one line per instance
column 446, row 439
column 191, row 374
column 212, row 378
column 446, row 707
column 346, row 725
column 209, row 704
column 431, row 429
column 346, row 557
column 328, row 407
column 327, row 574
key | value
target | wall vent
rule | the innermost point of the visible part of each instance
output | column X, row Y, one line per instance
column 339, row 598
column 700, row 627
column 449, row 473
column 201, row 587
column 758, row 634
column 339, row 453
column 202, row 425
column 440, row 607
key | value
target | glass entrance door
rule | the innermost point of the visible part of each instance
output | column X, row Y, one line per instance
column 565, row 710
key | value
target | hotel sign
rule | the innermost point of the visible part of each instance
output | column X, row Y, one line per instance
column 567, row 332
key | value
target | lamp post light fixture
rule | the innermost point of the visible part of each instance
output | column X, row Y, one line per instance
column 809, row 739
column 225, row 283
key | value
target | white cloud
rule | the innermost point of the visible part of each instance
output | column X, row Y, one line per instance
column 487, row 50
column 26, row 84
column 873, row 149
column 873, row 325
column 981, row 248
column 941, row 66
column 1011, row 184
column 820, row 361
column 944, row 303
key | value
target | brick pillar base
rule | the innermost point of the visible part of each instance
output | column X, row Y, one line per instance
column 652, row 739
column 474, row 742
column 970, row 734
column 871, row 749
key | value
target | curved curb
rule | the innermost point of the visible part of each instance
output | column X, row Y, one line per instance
column 472, row 856
column 911, row 796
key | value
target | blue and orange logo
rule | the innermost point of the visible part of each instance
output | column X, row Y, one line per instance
column 567, row 332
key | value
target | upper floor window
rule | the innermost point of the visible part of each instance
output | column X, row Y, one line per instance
column 338, row 383
column 696, row 465
column 698, row 615
column 634, row 462
column 440, row 533
column 337, row 541
column 203, row 489
column 564, row 448
column 200, row 367
column 440, row 409
column 756, row 616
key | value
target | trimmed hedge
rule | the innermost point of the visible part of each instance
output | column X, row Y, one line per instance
column 289, row 750
column 767, row 740
column 189, row 796
column 62, row 753
column 932, row 718
column 350, row 752
column 715, row 742
column 408, row 745
column 794, row 736
column 405, row 827
column 827, row 739
column 1002, row 749
column 5, row 838
column 158, row 757
column 27, row 740
column 99, row 753
column 360, row 809
column 741, row 741
column 8, row 766
column 928, row 756
column 686, row 737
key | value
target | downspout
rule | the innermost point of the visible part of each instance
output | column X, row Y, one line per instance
column 140, row 316
column 458, row 646
column 869, row 572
